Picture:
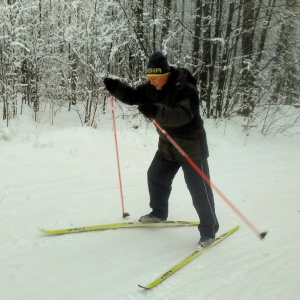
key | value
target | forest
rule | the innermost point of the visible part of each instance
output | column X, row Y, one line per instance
column 243, row 53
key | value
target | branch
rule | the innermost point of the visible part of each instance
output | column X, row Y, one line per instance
column 137, row 36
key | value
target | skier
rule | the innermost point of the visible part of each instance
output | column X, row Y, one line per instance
column 170, row 97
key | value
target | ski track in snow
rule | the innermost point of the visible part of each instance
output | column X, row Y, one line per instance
column 56, row 177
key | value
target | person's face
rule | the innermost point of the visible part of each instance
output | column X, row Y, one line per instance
column 158, row 81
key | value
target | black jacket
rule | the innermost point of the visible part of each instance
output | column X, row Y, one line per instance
column 178, row 113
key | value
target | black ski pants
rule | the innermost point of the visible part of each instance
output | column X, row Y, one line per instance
column 160, row 177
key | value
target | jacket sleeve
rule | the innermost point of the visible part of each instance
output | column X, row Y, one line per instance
column 184, row 109
column 129, row 95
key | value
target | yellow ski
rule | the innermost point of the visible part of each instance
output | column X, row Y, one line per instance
column 189, row 258
column 116, row 226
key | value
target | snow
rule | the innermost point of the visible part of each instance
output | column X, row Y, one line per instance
column 65, row 175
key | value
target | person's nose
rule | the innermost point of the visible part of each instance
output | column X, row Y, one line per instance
column 152, row 81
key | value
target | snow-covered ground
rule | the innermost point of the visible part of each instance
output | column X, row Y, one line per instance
column 65, row 175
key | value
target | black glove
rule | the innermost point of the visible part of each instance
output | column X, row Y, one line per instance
column 148, row 110
column 111, row 84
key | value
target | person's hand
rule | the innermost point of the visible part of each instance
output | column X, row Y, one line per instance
column 111, row 84
column 148, row 110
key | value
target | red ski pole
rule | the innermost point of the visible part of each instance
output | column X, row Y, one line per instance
column 117, row 154
column 261, row 235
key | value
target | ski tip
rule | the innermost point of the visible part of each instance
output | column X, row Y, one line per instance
column 263, row 234
column 125, row 214
column 142, row 287
column 42, row 230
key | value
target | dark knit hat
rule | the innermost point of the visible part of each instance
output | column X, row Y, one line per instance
column 157, row 65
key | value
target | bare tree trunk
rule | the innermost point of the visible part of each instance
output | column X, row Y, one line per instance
column 232, row 98
column 2, row 54
column 166, row 24
column 224, row 60
column 247, row 80
column 196, row 40
column 138, row 11
column 205, row 87
column 265, row 29
column 72, row 74
column 215, row 46
column 154, row 8
column 285, row 71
